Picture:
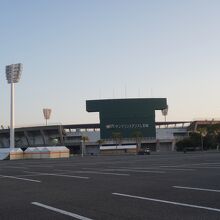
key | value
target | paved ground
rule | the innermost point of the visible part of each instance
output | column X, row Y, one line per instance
column 159, row 186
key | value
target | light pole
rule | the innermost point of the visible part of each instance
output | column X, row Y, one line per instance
column 165, row 112
column 203, row 134
column 13, row 75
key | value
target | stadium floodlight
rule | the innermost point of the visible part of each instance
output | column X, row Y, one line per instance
column 165, row 112
column 13, row 75
column 47, row 114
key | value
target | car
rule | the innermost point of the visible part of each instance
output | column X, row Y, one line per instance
column 147, row 151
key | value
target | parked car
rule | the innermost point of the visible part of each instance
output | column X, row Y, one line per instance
column 147, row 151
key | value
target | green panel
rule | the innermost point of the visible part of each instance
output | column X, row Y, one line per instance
column 127, row 116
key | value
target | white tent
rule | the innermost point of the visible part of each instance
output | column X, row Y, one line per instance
column 46, row 152
column 36, row 153
column 64, row 152
column 28, row 153
column 16, row 154
column 54, row 152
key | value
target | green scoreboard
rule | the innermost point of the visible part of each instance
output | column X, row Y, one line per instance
column 127, row 116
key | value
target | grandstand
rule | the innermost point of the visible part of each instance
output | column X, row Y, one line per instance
column 73, row 137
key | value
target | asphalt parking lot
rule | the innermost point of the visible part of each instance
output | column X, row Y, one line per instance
column 156, row 186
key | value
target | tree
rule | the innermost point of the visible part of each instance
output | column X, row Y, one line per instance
column 206, row 136
column 100, row 142
column 138, row 137
column 214, row 135
column 203, row 132
column 117, row 137
column 190, row 143
column 184, row 144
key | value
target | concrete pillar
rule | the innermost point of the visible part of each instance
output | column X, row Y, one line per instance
column 173, row 145
column 43, row 136
column 61, row 135
column 157, row 145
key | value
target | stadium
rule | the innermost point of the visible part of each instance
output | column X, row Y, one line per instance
column 127, row 126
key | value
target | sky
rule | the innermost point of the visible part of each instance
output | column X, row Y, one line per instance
column 78, row 50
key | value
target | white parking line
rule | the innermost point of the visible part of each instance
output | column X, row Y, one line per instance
column 171, row 166
column 61, row 211
column 95, row 172
column 205, row 163
column 55, row 174
column 50, row 166
column 135, row 171
column 14, row 167
column 193, row 165
column 206, row 167
column 200, row 189
column 24, row 175
column 168, row 202
column 158, row 168
column 177, row 169
column 19, row 178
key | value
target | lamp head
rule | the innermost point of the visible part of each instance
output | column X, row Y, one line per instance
column 13, row 72
column 47, row 113
column 165, row 111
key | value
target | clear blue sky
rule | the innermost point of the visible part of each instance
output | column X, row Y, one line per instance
column 74, row 50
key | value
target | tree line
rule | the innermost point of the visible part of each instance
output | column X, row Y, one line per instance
column 206, row 137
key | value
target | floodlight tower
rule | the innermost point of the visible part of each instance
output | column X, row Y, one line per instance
column 13, row 75
column 165, row 112
column 47, row 113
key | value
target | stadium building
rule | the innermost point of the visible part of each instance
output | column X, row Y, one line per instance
column 127, row 126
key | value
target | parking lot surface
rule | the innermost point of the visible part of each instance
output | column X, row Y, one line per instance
column 157, row 186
